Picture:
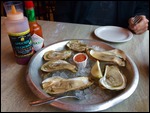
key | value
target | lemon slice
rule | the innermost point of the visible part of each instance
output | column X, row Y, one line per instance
column 96, row 70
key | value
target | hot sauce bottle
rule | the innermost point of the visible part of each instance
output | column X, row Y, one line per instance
column 35, row 28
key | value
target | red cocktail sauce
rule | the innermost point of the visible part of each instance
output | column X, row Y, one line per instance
column 80, row 58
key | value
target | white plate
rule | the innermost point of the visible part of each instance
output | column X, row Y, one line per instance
column 113, row 34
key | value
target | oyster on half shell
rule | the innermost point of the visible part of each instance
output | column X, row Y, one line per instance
column 57, row 55
column 55, row 65
column 57, row 85
column 113, row 79
column 76, row 45
column 115, row 56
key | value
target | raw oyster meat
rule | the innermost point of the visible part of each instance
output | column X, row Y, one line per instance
column 113, row 79
column 116, row 52
column 57, row 55
column 76, row 45
column 115, row 56
column 55, row 65
column 57, row 85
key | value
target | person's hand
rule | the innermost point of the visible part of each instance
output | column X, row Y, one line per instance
column 139, row 28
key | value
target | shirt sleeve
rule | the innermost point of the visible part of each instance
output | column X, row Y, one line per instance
column 142, row 8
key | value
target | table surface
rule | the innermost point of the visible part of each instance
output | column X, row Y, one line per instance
column 16, row 95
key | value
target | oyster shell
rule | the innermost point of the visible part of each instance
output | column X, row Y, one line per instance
column 55, row 65
column 76, row 45
column 57, row 85
column 56, row 55
column 115, row 56
column 113, row 79
column 117, row 52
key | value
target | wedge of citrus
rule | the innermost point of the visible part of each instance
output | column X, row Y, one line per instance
column 96, row 70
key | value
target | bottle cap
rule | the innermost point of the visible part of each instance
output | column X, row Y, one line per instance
column 14, row 10
column 29, row 4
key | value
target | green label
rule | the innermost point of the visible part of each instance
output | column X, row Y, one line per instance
column 22, row 45
column 30, row 14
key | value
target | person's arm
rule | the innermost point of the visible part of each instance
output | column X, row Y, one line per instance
column 141, row 27
column 142, row 9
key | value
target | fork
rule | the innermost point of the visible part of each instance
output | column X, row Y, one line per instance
column 51, row 99
column 137, row 19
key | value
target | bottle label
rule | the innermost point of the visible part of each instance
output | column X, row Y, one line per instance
column 37, row 42
column 30, row 14
column 21, row 43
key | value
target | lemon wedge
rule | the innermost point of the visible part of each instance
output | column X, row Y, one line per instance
column 96, row 70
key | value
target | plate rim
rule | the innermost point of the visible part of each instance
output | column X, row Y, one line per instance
column 118, row 41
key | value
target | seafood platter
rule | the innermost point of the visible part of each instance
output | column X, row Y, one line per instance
column 99, row 74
